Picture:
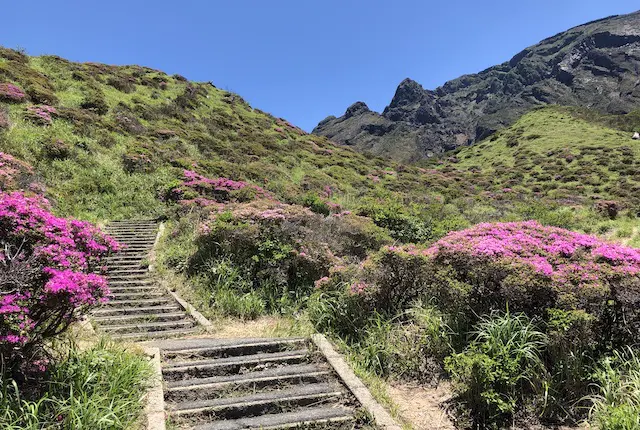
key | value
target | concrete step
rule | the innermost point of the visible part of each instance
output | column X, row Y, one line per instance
column 144, row 317
column 258, row 404
column 132, row 295
column 138, row 310
column 237, row 348
column 134, row 288
column 131, row 282
column 224, row 366
column 127, row 277
column 129, row 271
column 149, row 327
column 140, row 303
column 245, row 383
column 329, row 416
column 161, row 334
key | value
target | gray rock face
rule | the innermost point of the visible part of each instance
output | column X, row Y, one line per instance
column 595, row 65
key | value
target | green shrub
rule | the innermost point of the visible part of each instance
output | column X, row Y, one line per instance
column 616, row 406
column 392, row 216
column 100, row 388
column 501, row 370
column 95, row 102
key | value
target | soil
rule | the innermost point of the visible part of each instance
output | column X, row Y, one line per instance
column 423, row 407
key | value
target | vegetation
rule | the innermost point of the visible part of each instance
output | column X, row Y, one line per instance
column 482, row 267
column 98, row 388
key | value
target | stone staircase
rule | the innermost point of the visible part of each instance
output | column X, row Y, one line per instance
column 214, row 384
column 139, row 308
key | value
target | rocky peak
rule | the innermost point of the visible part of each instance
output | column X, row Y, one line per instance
column 356, row 109
column 593, row 65
column 408, row 92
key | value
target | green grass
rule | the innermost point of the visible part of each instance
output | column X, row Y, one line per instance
column 99, row 388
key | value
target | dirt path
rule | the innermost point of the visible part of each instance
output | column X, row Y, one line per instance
column 423, row 407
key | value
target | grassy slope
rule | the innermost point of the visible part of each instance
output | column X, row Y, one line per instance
column 120, row 161
column 128, row 132
column 561, row 153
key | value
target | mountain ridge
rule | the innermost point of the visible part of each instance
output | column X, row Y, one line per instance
column 594, row 65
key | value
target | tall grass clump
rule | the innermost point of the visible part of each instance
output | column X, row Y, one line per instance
column 501, row 369
column 616, row 404
column 99, row 388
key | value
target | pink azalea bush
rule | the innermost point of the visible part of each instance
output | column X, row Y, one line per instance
column 11, row 93
column 41, row 114
column 282, row 246
column 13, row 172
column 47, row 277
column 527, row 266
column 199, row 190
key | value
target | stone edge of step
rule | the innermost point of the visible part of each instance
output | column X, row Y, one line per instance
column 154, row 405
column 382, row 418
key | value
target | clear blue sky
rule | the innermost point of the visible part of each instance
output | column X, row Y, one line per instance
column 298, row 59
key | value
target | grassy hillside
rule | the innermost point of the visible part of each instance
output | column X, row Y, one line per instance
column 568, row 154
column 120, row 136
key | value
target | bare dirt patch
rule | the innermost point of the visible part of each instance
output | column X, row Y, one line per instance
column 423, row 407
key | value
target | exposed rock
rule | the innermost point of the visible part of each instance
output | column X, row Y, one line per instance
column 594, row 65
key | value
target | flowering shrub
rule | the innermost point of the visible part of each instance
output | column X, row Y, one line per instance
column 46, row 278
column 287, row 247
column 202, row 191
column 11, row 93
column 41, row 114
column 13, row 172
column 530, row 267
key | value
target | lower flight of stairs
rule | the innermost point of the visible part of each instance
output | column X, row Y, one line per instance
column 214, row 384
column 138, row 309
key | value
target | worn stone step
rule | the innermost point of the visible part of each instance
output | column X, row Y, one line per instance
column 329, row 415
column 131, row 282
column 229, row 365
column 127, row 276
column 133, row 295
column 134, row 288
column 150, row 327
column 139, row 310
column 140, row 303
column 260, row 403
column 292, row 369
column 158, row 334
column 160, row 317
column 234, row 385
column 236, row 348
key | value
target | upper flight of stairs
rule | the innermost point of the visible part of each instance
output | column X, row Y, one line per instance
column 139, row 308
column 215, row 384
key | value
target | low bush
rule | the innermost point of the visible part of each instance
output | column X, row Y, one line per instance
column 496, row 374
column 99, row 388
column 47, row 277
column 616, row 405
column 525, row 265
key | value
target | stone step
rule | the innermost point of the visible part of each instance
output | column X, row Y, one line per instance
column 136, row 295
column 229, row 365
column 160, row 317
column 148, row 327
column 136, row 271
column 111, row 277
column 157, row 334
column 230, row 349
column 234, row 385
column 131, row 283
column 258, row 404
column 140, row 310
column 134, row 288
column 301, row 418
column 140, row 303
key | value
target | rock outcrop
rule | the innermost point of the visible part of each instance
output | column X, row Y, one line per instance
column 595, row 65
